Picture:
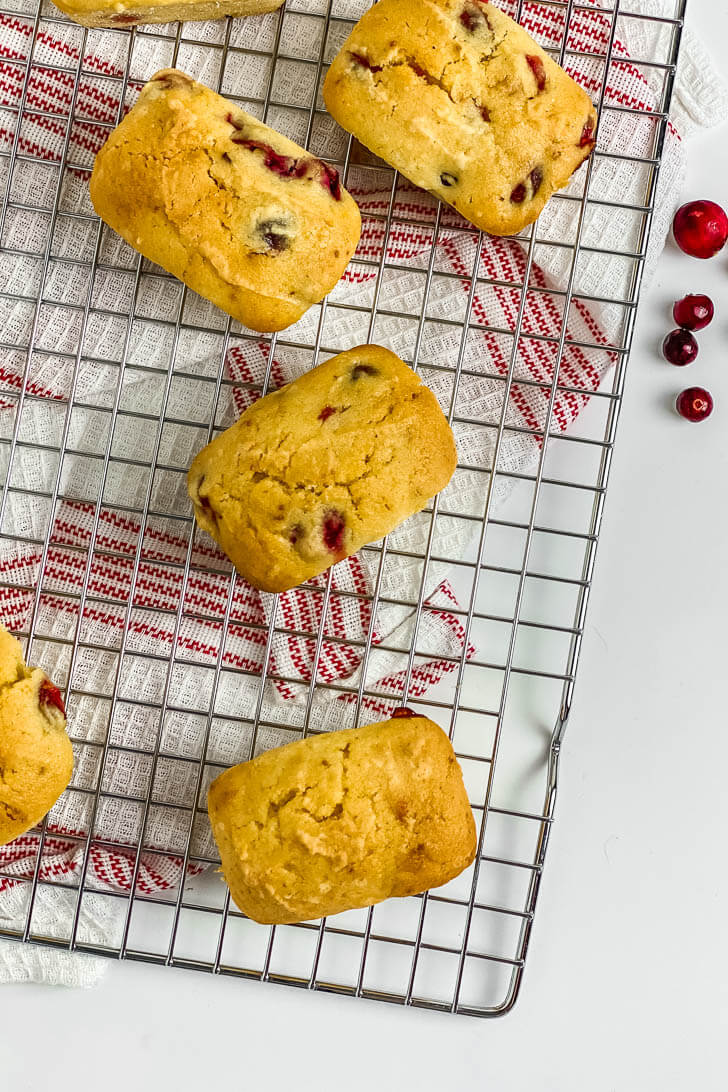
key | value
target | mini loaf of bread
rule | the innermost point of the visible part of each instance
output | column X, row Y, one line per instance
column 97, row 13
column 315, row 470
column 36, row 757
column 462, row 101
column 238, row 212
column 342, row 820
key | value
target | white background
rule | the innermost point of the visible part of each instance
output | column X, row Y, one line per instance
column 626, row 986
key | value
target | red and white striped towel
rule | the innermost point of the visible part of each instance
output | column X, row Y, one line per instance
column 134, row 569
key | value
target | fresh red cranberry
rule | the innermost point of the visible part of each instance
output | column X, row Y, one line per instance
column 587, row 134
column 694, row 312
column 333, row 532
column 535, row 63
column 326, row 412
column 49, row 694
column 518, row 193
column 700, row 228
column 680, row 348
column 694, row 404
column 403, row 712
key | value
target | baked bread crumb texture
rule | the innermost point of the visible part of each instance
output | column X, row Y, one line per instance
column 343, row 820
column 241, row 214
column 310, row 473
column 461, row 100
column 36, row 757
column 452, row 93
column 93, row 13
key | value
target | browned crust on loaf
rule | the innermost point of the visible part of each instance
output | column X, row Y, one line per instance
column 312, row 472
column 89, row 13
column 342, row 820
column 36, row 757
column 461, row 100
column 184, row 179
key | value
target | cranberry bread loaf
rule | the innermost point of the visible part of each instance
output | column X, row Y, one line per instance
column 36, row 757
column 238, row 212
column 315, row 470
column 342, row 820
column 465, row 104
column 98, row 13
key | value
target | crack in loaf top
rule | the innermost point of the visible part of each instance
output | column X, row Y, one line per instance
column 241, row 214
column 315, row 470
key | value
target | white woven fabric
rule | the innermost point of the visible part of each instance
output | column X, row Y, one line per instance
column 35, row 963
column 700, row 101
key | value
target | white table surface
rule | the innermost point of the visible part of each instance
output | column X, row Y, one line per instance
column 626, row 986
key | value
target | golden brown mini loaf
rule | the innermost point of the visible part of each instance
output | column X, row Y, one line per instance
column 36, row 757
column 462, row 101
column 241, row 214
column 342, row 820
column 315, row 470
column 124, row 13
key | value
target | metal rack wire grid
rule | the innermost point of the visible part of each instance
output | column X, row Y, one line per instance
column 113, row 375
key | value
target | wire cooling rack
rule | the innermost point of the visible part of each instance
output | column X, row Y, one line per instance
column 100, row 345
